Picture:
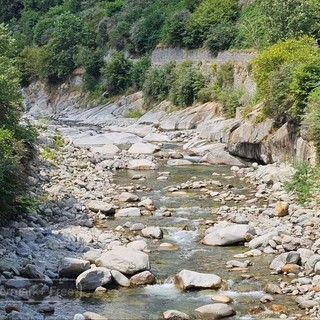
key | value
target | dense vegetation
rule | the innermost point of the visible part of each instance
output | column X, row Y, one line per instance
column 111, row 42
column 15, row 139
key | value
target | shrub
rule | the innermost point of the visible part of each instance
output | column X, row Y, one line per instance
column 187, row 83
column 158, row 82
column 291, row 51
column 138, row 72
column 117, row 73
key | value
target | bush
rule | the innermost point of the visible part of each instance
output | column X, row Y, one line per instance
column 158, row 82
column 117, row 74
column 138, row 72
column 291, row 51
column 207, row 16
column 187, row 83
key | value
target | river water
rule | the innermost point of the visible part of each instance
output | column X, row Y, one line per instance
column 184, row 229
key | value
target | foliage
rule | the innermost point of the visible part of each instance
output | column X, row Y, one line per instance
column 158, row 82
column 311, row 120
column 138, row 72
column 304, row 182
column 252, row 30
column 291, row 51
column 133, row 113
column 291, row 18
column 188, row 81
column 117, row 73
column 15, row 140
column 207, row 16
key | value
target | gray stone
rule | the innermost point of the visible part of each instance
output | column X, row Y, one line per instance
column 18, row 283
column 125, row 260
column 152, row 232
column 178, row 162
column 143, row 148
column 33, row 272
column 141, row 164
column 120, row 278
column 88, row 315
column 226, row 236
column 72, row 267
column 92, row 255
column 272, row 288
column 97, row 205
column 128, row 197
column 175, row 315
column 262, row 241
column 142, row 278
column 186, row 280
column 215, row 311
column 291, row 257
column 128, row 212
column 93, row 278
column 139, row 245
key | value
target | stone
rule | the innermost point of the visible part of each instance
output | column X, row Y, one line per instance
column 46, row 308
column 291, row 268
column 143, row 148
column 12, row 307
column 308, row 304
column 175, row 315
column 125, row 260
column 92, row 255
column 178, row 162
column 266, row 298
column 120, row 278
column 79, row 316
column 128, row 197
column 272, row 288
column 18, row 283
column 291, row 257
column 221, row 298
column 262, row 241
column 187, row 279
column 227, row 236
column 108, row 148
column 93, row 278
column 33, row 272
column 142, row 278
column 97, row 205
column 72, row 267
column 152, row 232
column 139, row 245
column 93, row 316
column 215, row 311
column 142, row 164
column 128, row 212
column 281, row 209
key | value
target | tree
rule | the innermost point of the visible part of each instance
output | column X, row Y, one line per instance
column 291, row 18
column 117, row 73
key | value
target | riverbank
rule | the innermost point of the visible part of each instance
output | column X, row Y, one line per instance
column 80, row 206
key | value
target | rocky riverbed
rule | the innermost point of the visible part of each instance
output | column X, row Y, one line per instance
column 108, row 217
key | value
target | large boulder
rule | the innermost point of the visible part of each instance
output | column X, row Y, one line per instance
column 219, row 155
column 125, row 260
column 72, row 267
column 143, row 148
column 229, row 235
column 141, row 164
column 187, row 279
column 93, row 278
column 128, row 197
column 215, row 311
column 106, row 149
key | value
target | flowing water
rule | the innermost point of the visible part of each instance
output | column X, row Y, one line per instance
column 184, row 229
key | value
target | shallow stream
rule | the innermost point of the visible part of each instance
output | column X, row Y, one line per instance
column 184, row 229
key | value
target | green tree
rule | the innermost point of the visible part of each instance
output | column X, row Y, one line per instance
column 208, row 15
column 291, row 18
column 14, row 138
column 117, row 73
